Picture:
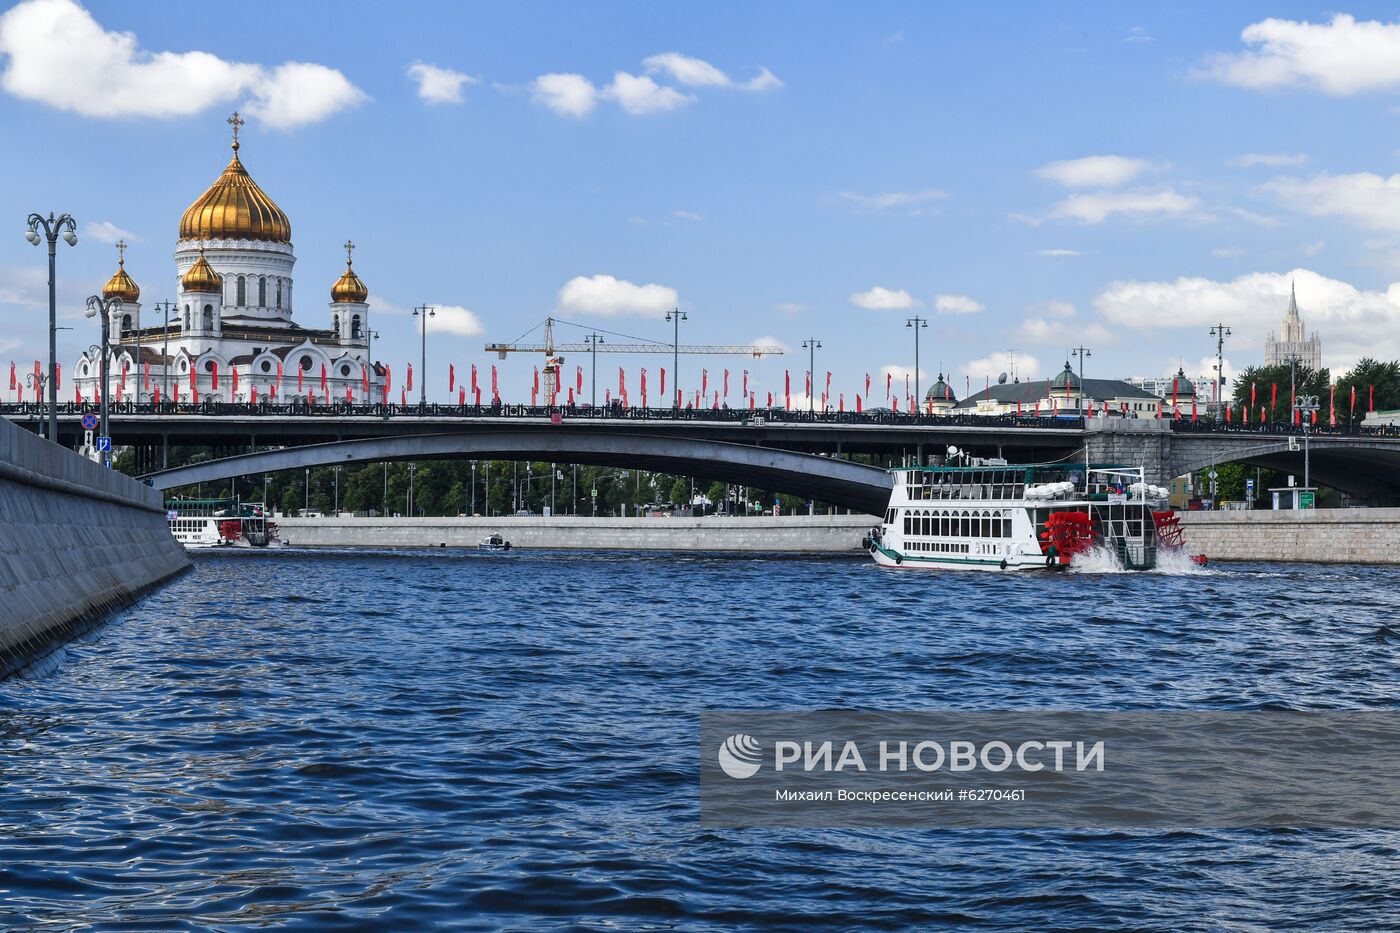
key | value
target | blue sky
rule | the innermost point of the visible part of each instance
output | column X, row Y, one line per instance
column 936, row 153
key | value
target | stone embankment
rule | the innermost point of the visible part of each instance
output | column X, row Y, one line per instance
column 76, row 541
column 787, row 534
column 1330, row 536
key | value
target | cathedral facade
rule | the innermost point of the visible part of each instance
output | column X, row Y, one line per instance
column 1294, row 344
column 229, row 336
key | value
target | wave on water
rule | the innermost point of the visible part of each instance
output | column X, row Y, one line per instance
column 1171, row 561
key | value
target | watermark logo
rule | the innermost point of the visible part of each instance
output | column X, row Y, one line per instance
column 740, row 756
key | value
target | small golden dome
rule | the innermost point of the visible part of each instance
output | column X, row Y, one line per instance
column 202, row 277
column 235, row 208
column 349, row 287
column 121, row 285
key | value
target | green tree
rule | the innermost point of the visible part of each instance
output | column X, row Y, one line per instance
column 1369, row 377
column 1267, row 388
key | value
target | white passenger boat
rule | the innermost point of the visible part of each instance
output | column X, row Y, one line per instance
column 996, row 516
column 202, row 523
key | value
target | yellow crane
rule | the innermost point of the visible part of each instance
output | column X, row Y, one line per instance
column 595, row 343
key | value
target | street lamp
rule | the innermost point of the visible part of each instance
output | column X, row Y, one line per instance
column 917, row 323
column 165, row 307
column 412, row 469
column 676, row 315
column 812, row 345
column 593, row 340
column 1219, row 332
column 97, row 306
column 53, row 228
column 1305, row 405
column 336, row 509
column 1081, row 352
column 425, row 312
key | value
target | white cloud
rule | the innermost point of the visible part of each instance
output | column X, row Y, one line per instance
column 1137, row 35
column 956, row 304
column 1352, row 323
column 884, row 299
column 439, row 85
column 1099, row 206
column 687, row 215
column 104, row 231
column 898, row 371
column 1024, row 365
column 1259, row 220
column 892, row 200
column 1058, row 252
column 1094, row 171
column 770, row 342
column 609, row 296
column 454, row 319
column 1312, row 249
column 58, row 54
column 788, row 307
column 640, row 95
column 695, row 72
column 1227, row 252
column 569, row 95
column 1061, row 309
column 1252, row 159
column 1339, row 57
column 1363, row 198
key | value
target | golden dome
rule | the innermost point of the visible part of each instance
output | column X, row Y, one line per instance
column 202, row 277
column 349, row 287
column 235, row 208
column 121, row 285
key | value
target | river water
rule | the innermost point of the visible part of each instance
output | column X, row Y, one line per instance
column 403, row 740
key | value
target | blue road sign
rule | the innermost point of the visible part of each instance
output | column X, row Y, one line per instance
column 104, row 444
column 89, row 421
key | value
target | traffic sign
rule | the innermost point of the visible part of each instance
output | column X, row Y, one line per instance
column 104, row 444
column 107, row 462
column 89, row 421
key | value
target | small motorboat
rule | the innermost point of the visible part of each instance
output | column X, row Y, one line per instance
column 494, row 543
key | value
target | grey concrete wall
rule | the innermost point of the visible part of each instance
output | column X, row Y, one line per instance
column 76, row 541
column 1359, row 536
column 816, row 534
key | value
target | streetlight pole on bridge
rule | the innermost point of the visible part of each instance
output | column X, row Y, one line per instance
column 1081, row 352
column 1305, row 405
column 916, row 322
column 1219, row 332
column 425, row 312
column 593, row 340
column 54, row 227
column 675, row 316
column 97, row 306
column 812, row 345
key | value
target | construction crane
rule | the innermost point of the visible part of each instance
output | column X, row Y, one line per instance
column 594, row 344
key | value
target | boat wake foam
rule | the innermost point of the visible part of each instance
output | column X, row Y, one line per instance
column 1171, row 561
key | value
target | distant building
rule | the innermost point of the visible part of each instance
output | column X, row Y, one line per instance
column 1295, row 344
column 1064, row 394
column 1179, row 385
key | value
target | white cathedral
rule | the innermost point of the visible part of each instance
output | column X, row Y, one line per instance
column 233, row 315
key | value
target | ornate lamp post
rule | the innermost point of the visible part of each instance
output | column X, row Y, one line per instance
column 675, row 317
column 812, row 345
column 1305, row 405
column 917, row 323
column 425, row 312
column 104, row 308
column 54, row 227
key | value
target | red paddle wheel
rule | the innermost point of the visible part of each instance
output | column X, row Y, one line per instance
column 1070, row 533
column 1169, row 533
column 230, row 530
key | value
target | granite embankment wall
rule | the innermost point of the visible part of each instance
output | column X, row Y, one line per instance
column 76, row 541
column 815, row 534
column 1334, row 536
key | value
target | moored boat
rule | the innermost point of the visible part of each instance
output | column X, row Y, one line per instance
column 991, row 515
column 494, row 542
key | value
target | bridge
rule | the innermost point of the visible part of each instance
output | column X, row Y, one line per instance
column 1363, row 463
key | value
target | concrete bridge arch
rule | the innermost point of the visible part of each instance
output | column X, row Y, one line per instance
column 825, row 479
column 1363, row 468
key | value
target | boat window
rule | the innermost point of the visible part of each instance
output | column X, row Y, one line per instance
column 908, row 523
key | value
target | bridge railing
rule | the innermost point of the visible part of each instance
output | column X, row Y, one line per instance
column 609, row 413
column 1277, row 428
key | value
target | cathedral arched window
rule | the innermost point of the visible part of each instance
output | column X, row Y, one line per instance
column 126, row 323
column 208, row 317
column 279, row 294
column 335, row 324
column 262, row 292
column 242, row 292
column 355, row 330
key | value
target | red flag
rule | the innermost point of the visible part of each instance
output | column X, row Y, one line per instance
column 607, row 396
column 807, row 383
column 364, row 379
column 746, row 382
column 451, row 378
column 1273, row 397
column 78, row 394
column 1253, row 388
column 841, row 402
column 571, row 395
column 57, row 377
column 828, row 384
column 476, row 393
column 214, row 375
column 234, row 371
column 1314, row 417
column 403, row 396
column 194, row 380
column 323, row 378
column 1332, row 406
column 726, row 383
column 1193, row 408
column 1244, row 412
column 1018, row 408
column 387, row 380
column 1372, row 391
column 787, row 389
column 253, row 393
column 157, row 393
column 644, row 387
column 858, row 404
column 475, row 389
column 753, row 400
column 1174, row 383
column 715, row 406
column 299, row 372
column 1353, row 401
column 147, row 376
column 1228, row 409
column 663, row 382
column 578, row 379
column 408, row 383
column 896, row 404
column 348, row 394
column 194, row 393
column 867, row 383
column 279, row 374
column 704, row 382
column 888, row 377
column 622, row 382
column 770, row 400
column 12, row 374
column 1037, row 408
column 495, row 391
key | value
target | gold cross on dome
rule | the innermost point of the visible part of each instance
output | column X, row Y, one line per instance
column 236, row 121
column 121, row 252
column 349, row 251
